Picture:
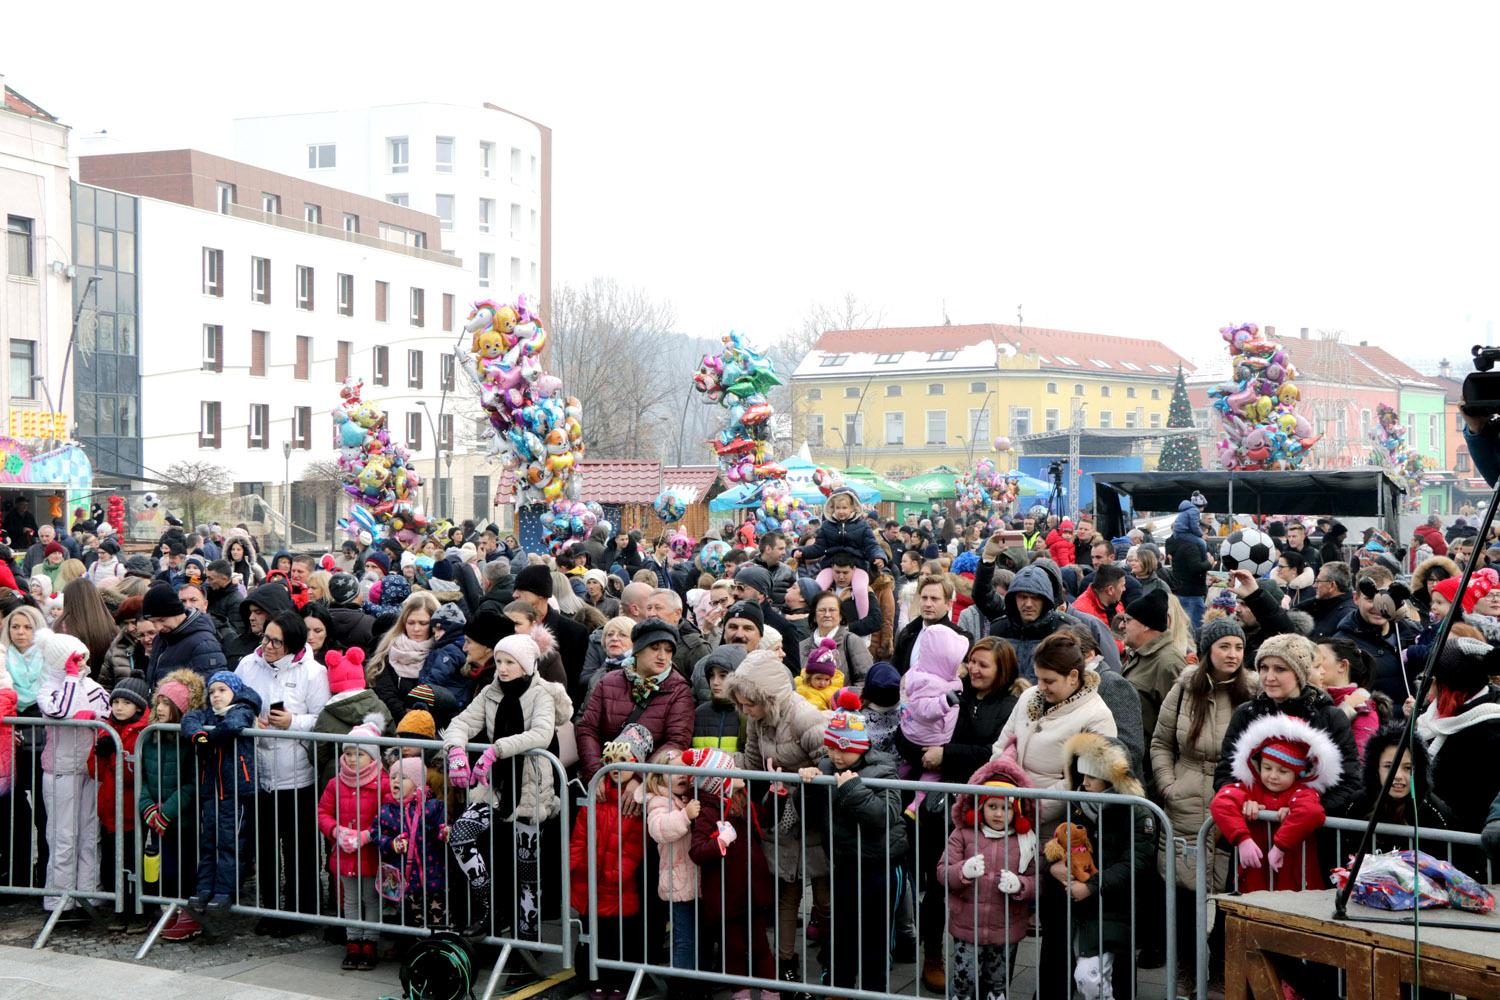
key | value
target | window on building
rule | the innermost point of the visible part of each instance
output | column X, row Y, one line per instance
column 1130, row 392
column 1156, row 394
column 1130, row 418
column 448, row 312
column 815, row 394
column 979, row 425
column 1049, row 420
column 1434, row 429
column 351, row 222
column 832, row 360
column 893, row 390
column 397, row 154
column 403, row 200
column 19, row 255
column 486, row 213
column 895, row 428
column 486, row 159
column 225, row 194
column 515, row 221
column 414, row 369
column 380, row 365
column 1104, row 391
column 447, row 368
column 304, row 287
column 887, row 359
column 815, row 429
column 515, row 165
column 418, row 309
column 1155, row 420
column 1106, row 418
column 260, row 280
column 1020, row 421
column 443, row 155
column 445, row 434
column 346, row 294
column 935, row 388
column 22, row 369
column 323, row 156
column 341, row 360
column 210, row 426
column 256, row 430
column 312, row 214
column 260, row 349
column 302, row 427
column 1078, row 388
column 382, row 300
column 1462, row 463
column 942, row 355
column 515, row 273
column 1052, row 388
column 445, row 212
column 1063, row 358
column 486, row 269
column 304, row 359
column 533, row 173
column 937, row 427
column 854, row 430
column 213, row 348
column 213, row 272
column 414, row 431
column 978, row 387
column 851, row 392
column 482, row 498
column 270, row 203
column 533, row 225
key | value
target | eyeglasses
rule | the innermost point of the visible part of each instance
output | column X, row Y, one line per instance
column 278, row 643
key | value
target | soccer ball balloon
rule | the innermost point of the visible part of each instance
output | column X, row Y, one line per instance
column 1248, row 549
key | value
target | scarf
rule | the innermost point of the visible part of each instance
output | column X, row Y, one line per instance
column 406, row 656
column 26, row 670
column 1039, row 706
column 617, row 662
column 509, row 720
column 359, row 779
column 641, row 688
column 1435, row 730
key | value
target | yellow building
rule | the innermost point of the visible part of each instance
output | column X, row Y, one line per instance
column 902, row 400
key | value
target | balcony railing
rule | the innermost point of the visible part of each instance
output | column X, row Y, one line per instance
column 338, row 233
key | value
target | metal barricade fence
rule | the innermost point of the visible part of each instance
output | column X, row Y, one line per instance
column 398, row 870
column 866, row 885
column 1346, row 835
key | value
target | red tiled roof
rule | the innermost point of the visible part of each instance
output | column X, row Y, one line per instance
column 1333, row 362
column 620, row 481
column 697, row 477
column 21, row 106
column 1387, row 363
column 1081, row 347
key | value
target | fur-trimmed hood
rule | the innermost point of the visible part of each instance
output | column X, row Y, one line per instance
column 1002, row 768
column 1105, row 754
column 1420, row 578
column 1324, row 756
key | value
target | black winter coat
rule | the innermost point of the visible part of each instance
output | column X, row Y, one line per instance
column 1463, row 771
column 1391, row 677
column 352, row 628
column 1270, row 619
column 979, row 723
column 272, row 598
column 1315, row 708
column 501, row 593
column 901, row 658
column 573, row 646
column 1328, row 612
column 194, row 645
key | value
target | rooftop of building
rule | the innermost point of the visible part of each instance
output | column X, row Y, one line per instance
column 21, row 105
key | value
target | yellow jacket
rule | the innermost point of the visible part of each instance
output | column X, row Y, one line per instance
column 821, row 698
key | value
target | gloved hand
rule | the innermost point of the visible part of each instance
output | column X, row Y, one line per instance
column 458, row 768
column 952, row 698
column 992, row 550
column 726, row 835
column 1010, row 883
column 973, row 867
column 1276, row 858
column 347, row 839
column 481, row 773
column 104, row 746
column 87, row 715
column 154, row 818
column 1250, row 853
column 74, row 666
column 443, row 832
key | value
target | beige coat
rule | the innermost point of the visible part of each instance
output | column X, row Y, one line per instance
column 1039, row 738
column 1184, row 771
column 545, row 706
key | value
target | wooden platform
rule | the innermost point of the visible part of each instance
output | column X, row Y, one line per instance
column 1377, row 958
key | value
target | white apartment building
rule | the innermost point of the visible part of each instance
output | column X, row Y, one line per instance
column 259, row 295
column 483, row 171
column 36, row 296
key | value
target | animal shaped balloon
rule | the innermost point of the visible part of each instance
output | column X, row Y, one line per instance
column 1394, row 451
column 1258, row 405
column 377, row 473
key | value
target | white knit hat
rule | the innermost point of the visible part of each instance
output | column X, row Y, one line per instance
column 522, row 649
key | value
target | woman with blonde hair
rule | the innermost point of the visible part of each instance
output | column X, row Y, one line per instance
column 393, row 669
column 70, row 570
column 317, row 586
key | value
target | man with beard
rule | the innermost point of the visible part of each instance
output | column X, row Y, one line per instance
column 1030, row 615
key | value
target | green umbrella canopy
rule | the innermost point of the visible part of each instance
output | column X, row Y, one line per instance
column 936, row 483
column 890, row 490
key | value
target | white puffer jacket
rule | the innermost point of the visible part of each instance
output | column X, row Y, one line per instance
column 545, row 707
column 300, row 683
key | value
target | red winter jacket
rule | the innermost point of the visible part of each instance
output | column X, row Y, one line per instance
column 620, row 843
column 1294, row 835
column 668, row 717
column 356, row 808
column 103, row 771
column 1060, row 547
column 1088, row 603
column 1434, row 539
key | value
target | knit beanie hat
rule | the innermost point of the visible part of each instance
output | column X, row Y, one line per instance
column 449, row 617
column 1294, row 650
column 129, row 610
column 1225, row 600
column 1464, row 665
column 409, row 561
column 823, row 658
column 370, row 727
column 1479, row 585
column 161, row 602
column 57, row 648
column 750, row 612
column 1216, row 629
column 882, row 685
column 422, row 694
column 442, row 569
column 709, row 759
column 54, row 548
column 394, row 589
column 346, row 671
column 632, row 746
column 1272, row 588
column 522, row 649
column 343, row 589
column 755, row 577
column 489, row 628
column 1289, row 753
column 413, row 769
column 534, row 580
column 134, row 690
column 1150, row 609
column 809, row 589
column 379, row 559
column 846, row 727
column 228, row 679
column 417, row 722
column 139, row 565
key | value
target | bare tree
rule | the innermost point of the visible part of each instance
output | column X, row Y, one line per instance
column 195, row 487
column 849, row 313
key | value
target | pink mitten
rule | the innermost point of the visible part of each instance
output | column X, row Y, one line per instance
column 74, row 666
column 87, row 715
column 458, row 768
column 1276, row 858
column 726, row 835
column 1250, row 853
column 481, row 773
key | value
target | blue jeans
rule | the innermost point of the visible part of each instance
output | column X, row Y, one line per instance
column 684, row 935
column 1194, row 608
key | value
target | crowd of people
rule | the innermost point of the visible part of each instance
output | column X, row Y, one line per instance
column 1039, row 656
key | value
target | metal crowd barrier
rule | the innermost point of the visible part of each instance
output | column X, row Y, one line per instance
column 28, row 868
column 633, row 948
column 324, row 902
column 1385, row 833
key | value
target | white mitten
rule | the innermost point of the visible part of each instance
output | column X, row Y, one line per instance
column 973, row 867
column 726, row 835
column 1010, row 883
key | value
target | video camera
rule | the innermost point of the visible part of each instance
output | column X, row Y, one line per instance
column 1482, row 387
column 1055, row 469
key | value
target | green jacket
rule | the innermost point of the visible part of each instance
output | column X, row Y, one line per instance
column 167, row 776
column 340, row 717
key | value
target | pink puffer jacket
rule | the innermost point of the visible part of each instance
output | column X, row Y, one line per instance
column 667, row 822
column 978, row 905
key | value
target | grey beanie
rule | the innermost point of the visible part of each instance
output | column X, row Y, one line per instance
column 1213, row 631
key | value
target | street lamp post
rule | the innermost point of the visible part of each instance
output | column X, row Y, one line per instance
column 286, row 491
column 437, row 460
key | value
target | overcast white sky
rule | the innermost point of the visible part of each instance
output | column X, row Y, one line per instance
column 1153, row 170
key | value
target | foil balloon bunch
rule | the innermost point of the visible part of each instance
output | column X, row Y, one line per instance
column 671, row 505
column 1258, row 405
column 1395, row 452
column 780, row 510
column 986, row 491
column 567, row 521
column 538, row 432
column 737, row 378
column 377, row 473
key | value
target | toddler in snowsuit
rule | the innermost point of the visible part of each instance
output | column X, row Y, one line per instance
column 929, row 701
column 670, row 811
column 346, row 815
column 226, row 783
column 410, row 831
column 71, row 796
column 821, row 677
column 845, row 531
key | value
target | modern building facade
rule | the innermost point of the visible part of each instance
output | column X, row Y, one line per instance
column 251, row 317
column 483, row 171
column 902, row 400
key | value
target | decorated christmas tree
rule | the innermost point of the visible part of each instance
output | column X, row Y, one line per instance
column 1180, row 452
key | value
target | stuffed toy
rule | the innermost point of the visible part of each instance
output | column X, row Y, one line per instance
column 1071, row 841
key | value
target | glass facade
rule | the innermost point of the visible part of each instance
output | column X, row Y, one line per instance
column 106, row 354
